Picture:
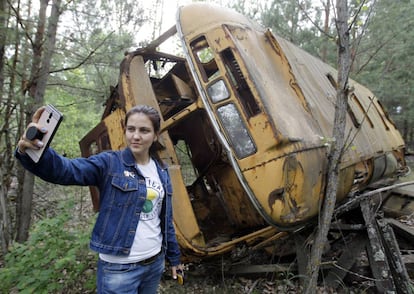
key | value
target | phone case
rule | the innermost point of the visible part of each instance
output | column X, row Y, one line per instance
column 50, row 119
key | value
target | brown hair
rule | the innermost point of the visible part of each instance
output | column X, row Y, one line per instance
column 155, row 118
column 149, row 111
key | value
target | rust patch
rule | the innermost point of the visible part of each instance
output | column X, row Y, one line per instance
column 292, row 172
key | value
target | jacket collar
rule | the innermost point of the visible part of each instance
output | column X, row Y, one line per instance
column 127, row 157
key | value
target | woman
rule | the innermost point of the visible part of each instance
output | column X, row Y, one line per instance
column 134, row 231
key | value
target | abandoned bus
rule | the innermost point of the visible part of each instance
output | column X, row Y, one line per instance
column 246, row 122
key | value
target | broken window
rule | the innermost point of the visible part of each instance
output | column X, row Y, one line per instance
column 236, row 130
column 240, row 85
column 363, row 113
column 205, row 59
column 218, row 91
column 184, row 156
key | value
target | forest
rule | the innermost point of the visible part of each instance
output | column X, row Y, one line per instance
column 68, row 53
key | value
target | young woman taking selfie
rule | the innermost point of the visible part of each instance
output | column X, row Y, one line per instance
column 134, row 231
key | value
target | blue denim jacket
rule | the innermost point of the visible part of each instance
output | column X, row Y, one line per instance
column 122, row 195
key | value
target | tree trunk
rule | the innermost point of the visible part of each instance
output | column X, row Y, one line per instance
column 43, row 50
column 3, row 25
column 336, row 148
column 324, row 49
column 5, row 228
column 6, row 162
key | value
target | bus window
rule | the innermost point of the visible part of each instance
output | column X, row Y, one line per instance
column 93, row 148
column 205, row 59
column 243, row 91
column 218, row 91
column 363, row 113
column 105, row 144
column 380, row 110
column 184, row 156
column 236, row 130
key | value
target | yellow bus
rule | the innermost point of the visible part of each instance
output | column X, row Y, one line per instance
column 247, row 121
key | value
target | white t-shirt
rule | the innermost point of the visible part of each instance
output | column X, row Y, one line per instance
column 148, row 237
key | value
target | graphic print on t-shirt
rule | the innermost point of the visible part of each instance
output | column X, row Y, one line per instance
column 152, row 205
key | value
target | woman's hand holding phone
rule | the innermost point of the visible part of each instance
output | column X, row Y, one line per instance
column 40, row 132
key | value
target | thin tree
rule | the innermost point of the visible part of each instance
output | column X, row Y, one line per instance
column 43, row 48
column 6, row 110
column 337, row 146
column 324, row 49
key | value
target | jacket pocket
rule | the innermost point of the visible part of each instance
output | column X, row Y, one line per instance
column 126, row 184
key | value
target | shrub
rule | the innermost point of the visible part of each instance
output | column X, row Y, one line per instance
column 55, row 259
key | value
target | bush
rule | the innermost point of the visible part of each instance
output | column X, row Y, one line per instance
column 55, row 259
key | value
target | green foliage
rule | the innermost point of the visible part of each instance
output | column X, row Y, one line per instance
column 85, row 65
column 385, row 61
column 80, row 116
column 56, row 258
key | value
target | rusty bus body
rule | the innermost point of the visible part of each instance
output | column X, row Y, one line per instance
column 247, row 119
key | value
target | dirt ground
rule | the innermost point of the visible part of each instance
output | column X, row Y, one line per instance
column 203, row 279
column 212, row 277
column 242, row 285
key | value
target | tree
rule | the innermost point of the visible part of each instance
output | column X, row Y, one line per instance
column 5, row 232
column 288, row 19
column 69, row 56
column 337, row 145
column 384, row 61
column 43, row 48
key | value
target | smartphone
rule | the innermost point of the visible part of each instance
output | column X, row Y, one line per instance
column 50, row 119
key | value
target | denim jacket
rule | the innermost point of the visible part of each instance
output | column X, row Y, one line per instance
column 122, row 195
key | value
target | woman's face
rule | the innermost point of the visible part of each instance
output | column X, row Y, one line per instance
column 140, row 135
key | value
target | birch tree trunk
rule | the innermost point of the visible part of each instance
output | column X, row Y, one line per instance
column 336, row 148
